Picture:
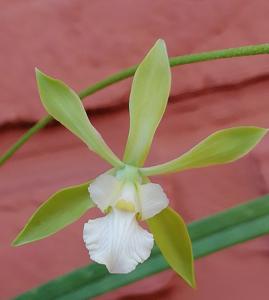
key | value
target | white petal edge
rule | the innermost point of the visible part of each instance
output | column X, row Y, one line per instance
column 104, row 190
column 152, row 200
column 117, row 241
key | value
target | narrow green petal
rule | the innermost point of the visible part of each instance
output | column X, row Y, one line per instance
column 60, row 210
column 221, row 147
column 148, row 100
column 65, row 106
column 171, row 235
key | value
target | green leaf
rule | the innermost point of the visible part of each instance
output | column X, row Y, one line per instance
column 214, row 233
column 148, row 100
column 64, row 105
column 60, row 210
column 221, row 147
column 171, row 236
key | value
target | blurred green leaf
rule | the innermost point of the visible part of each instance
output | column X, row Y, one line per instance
column 221, row 147
column 148, row 100
column 64, row 105
column 60, row 210
column 171, row 236
column 225, row 229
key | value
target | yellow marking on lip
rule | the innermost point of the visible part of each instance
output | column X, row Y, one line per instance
column 125, row 205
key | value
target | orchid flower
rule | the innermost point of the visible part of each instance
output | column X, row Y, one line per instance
column 125, row 194
column 117, row 240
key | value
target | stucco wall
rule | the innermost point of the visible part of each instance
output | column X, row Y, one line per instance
column 84, row 41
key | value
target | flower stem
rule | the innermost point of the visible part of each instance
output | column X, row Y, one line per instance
column 174, row 61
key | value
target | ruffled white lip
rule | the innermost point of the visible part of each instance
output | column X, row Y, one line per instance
column 117, row 240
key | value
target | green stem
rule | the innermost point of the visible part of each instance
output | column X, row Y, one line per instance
column 174, row 61
column 24, row 138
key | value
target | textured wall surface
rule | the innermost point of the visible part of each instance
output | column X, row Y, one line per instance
column 83, row 41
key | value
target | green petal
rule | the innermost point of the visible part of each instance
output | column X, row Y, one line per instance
column 171, row 235
column 64, row 105
column 148, row 100
column 60, row 210
column 221, row 147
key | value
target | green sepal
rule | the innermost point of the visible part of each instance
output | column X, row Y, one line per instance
column 221, row 147
column 65, row 106
column 60, row 210
column 171, row 236
column 148, row 100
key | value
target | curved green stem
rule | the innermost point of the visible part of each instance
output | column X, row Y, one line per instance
column 174, row 61
column 24, row 138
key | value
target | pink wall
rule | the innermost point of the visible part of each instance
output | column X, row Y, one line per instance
column 84, row 41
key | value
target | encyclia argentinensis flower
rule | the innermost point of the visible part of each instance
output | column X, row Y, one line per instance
column 117, row 240
column 125, row 194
